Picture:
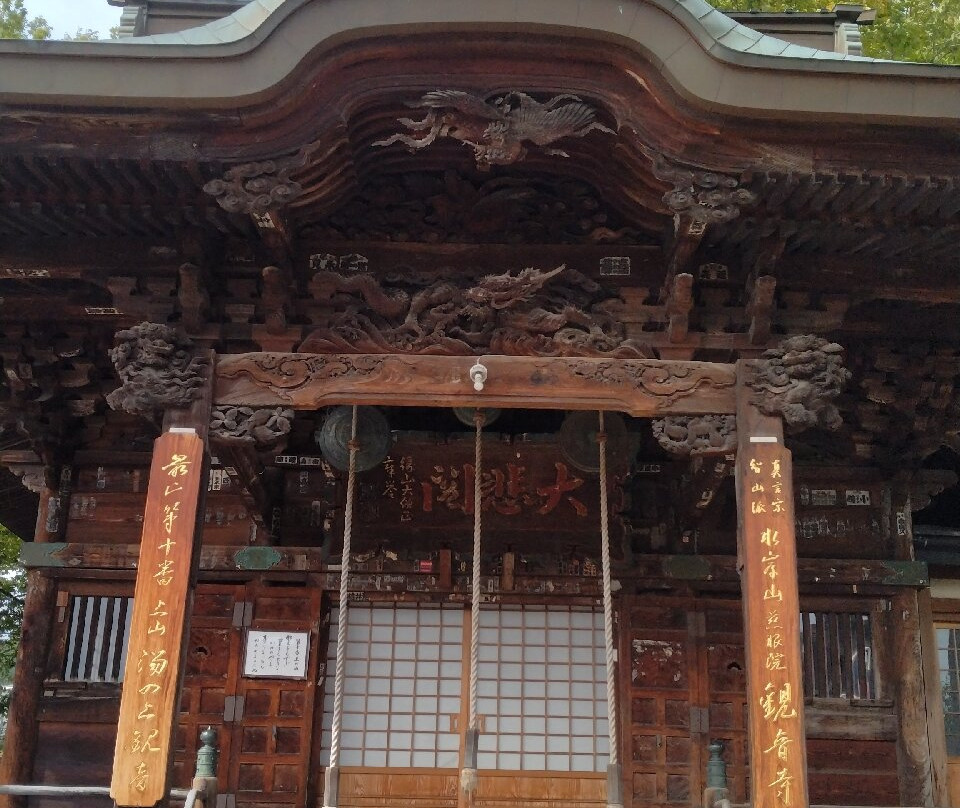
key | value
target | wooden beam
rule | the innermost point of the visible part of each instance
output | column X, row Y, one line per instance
column 639, row 387
column 766, row 546
column 813, row 573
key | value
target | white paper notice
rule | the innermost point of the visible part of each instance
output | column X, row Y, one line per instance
column 278, row 654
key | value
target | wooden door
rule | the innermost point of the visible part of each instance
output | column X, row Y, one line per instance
column 948, row 658
column 660, row 692
column 273, row 727
column 210, row 678
column 541, row 697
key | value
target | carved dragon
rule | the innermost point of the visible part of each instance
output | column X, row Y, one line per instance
column 799, row 379
column 157, row 368
column 497, row 129
column 696, row 434
column 559, row 312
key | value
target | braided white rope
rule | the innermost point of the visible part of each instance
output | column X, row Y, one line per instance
column 607, row 599
column 478, row 419
column 344, row 599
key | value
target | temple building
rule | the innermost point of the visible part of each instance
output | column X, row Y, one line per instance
column 504, row 404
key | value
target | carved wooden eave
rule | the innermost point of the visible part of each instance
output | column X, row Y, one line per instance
column 638, row 81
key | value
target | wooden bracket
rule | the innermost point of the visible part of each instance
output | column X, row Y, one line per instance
column 243, row 464
column 687, row 235
column 760, row 309
column 194, row 298
column 699, row 488
column 679, row 304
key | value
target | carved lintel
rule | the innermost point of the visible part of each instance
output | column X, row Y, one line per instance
column 639, row 387
column 157, row 368
column 266, row 428
column 557, row 312
column 696, row 434
column 799, row 380
column 706, row 197
column 501, row 129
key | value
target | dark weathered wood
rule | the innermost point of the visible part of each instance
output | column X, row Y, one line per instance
column 16, row 764
column 933, row 698
column 766, row 543
column 913, row 745
column 638, row 387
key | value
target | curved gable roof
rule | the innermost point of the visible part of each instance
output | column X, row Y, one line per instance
column 708, row 58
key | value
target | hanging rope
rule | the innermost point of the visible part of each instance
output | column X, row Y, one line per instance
column 607, row 599
column 344, row 599
column 478, row 419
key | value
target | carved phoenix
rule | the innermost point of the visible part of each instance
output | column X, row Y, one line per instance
column 497, row 130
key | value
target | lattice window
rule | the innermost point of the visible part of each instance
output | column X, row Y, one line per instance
column 401, row 703
column 99, row 629
column 838, row 655
column 542, row 690
column 948, row 653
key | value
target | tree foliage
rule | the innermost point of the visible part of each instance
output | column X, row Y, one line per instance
column 905, row 30
column 14, row 23
column 13, row 584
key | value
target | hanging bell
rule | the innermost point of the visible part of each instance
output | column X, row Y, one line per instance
column 578, row 440
column 373, row 435
column 466, row 415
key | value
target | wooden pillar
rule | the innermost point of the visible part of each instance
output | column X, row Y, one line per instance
column 915, row 682
column 16, row 764
column 162, row 602
column 771, row 608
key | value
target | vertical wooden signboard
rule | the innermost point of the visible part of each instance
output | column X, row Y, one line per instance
column 767, row 546
column 148, row 705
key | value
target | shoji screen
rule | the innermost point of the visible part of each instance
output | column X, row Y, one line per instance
column 542, row 688
column 402, row 691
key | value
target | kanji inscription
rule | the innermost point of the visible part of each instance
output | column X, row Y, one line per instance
column 428, row 490
column 149, row 701
column 771, row 608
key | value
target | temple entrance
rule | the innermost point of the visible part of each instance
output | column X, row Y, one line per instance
column 541, row 688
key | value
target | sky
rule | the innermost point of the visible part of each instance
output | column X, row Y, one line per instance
column 65, row 16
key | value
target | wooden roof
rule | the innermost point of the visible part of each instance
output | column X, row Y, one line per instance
column 841, row 179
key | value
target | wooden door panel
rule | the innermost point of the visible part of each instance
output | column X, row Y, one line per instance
column 210, row 678
column 546, row 790
column 662, row 759
column 273, row 741
column 389, row 788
